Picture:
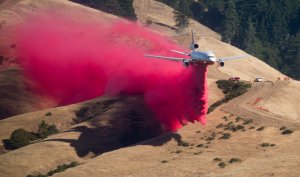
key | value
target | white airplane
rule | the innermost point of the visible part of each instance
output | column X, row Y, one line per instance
column 197, row 57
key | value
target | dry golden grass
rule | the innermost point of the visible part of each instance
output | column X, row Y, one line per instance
column 162, row 156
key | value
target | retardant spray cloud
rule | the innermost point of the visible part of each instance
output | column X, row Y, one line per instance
column 71, row 61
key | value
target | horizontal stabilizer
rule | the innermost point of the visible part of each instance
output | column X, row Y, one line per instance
column 183, row 53
column 166, row 58
column 234, row 57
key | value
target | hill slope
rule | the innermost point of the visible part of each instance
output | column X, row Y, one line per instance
column 167, row 155
column 164, row 156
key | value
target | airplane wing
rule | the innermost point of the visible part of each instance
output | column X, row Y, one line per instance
column 167, row 58
column 232, row 58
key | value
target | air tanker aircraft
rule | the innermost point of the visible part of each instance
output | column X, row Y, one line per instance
column 197, row 57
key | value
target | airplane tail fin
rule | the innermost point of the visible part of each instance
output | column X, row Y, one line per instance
column 193, row 38
column 194, row 45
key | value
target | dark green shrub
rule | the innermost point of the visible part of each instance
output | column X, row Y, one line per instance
column 282, row 128
column 20, row 138
column 222, row 165
column 260, row 128
column 265, row 145
column 238, row 119
column 234, row 128
column 217, row 159
column 50, row 173
column 221, row 125
column 225, row 136
column 48, row 114
column 60, row 168
column 231, row 91
column 285, row 132
column 210, row 138
column 73, row 164
column 178, row 151
column 239, row 127
column 197, row 153
column 45, row 130
column 52, row 129
column 164, row 161
column 247, row 121
column 183, row 143
column 225, row 118
column 200, row 145
column 252, row 127
column 233, row 160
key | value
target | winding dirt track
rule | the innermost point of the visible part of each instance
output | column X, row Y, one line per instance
column 255, row 104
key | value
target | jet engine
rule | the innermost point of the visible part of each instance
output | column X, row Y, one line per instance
column 194, row 46
column 185, row 63
column 221, row 63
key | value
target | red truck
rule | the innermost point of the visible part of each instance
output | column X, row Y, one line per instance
column 234, row 78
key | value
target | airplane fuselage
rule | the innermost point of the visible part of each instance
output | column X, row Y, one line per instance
column 203, row 57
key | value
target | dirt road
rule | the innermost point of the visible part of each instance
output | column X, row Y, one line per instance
column 269, row 102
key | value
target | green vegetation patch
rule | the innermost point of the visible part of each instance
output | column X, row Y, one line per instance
column 231, row 91
column 282, row 128
column 238, row 119
column 217, row 159
column 285, row 132
column 21, row 137
column 45, row 130
column 183, row 143
column 178, row 151
column 247, row 121
column 234, row 160
column 260, row 128
column 225, row 136
column 60, row 168
column 267, row 145
column 234, row 128
column 222, row 165
column 48, row 114
column 252, row 127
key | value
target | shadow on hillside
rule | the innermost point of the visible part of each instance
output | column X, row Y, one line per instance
column 163, row 139
column 92, row 140
column 165, row 25
column 116, row 123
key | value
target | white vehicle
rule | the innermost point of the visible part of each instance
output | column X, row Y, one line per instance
column 204, row 57
column 258, row 79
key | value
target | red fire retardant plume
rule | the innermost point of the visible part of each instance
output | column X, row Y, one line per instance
column 71, row 61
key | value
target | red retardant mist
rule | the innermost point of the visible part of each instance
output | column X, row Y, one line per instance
column 71, row 61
